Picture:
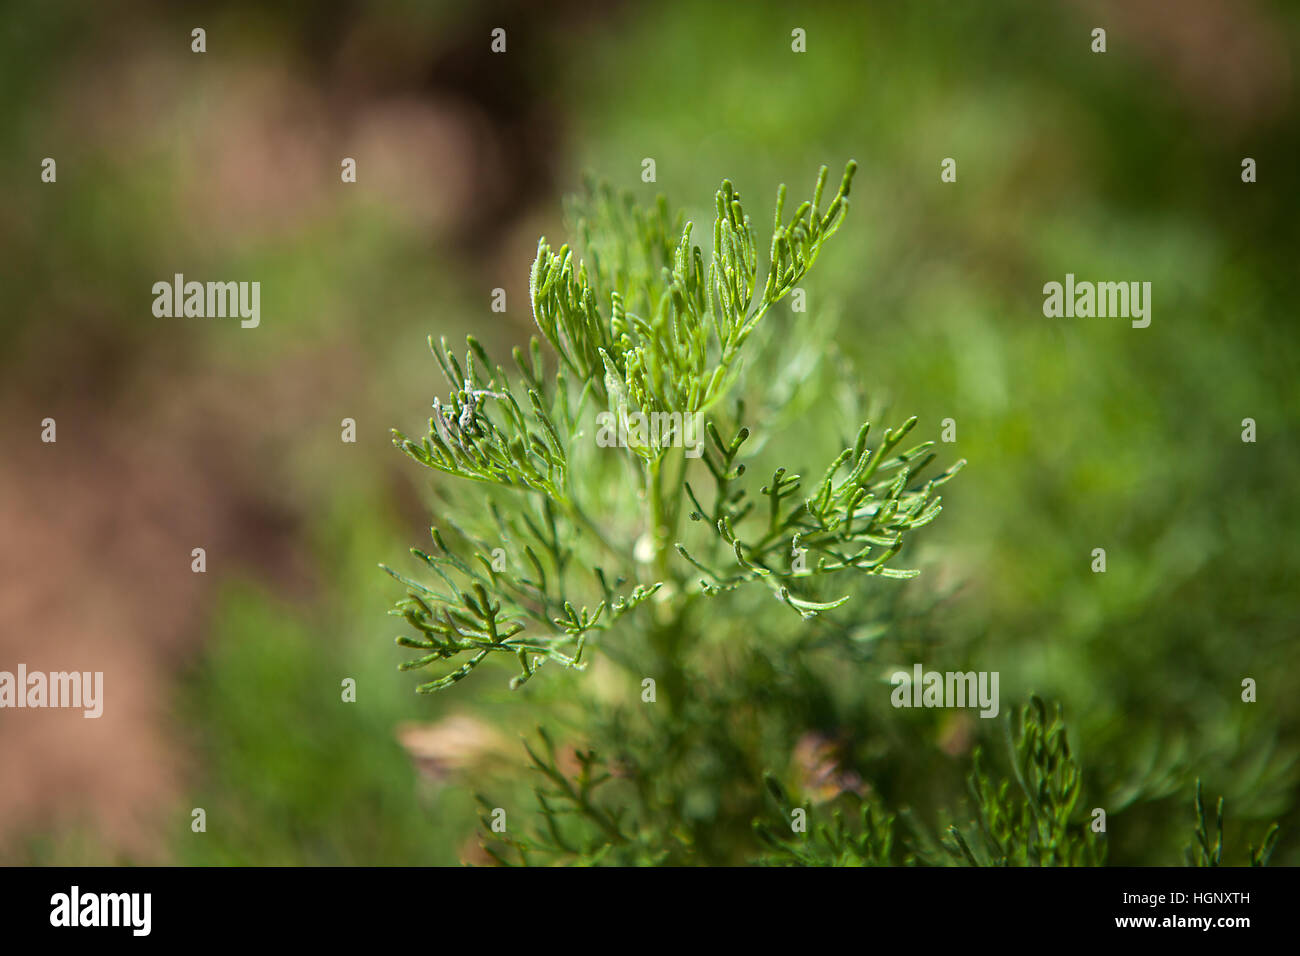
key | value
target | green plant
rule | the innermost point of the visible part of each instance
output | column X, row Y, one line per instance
column 1208, row 851
column 643, row 331
column 577, row 535
column 1029, row 820
column 864, row 840
column 1032, row 823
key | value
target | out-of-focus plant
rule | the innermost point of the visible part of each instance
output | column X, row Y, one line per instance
column 1206, row 848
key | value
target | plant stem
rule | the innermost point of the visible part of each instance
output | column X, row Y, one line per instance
column 658, row 519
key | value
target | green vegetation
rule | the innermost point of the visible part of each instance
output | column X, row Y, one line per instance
column 926, row 304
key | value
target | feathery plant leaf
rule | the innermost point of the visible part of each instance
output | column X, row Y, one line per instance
column 1031, row 821
column 1206, row 848
column 645, row 331
column 606, row 482
column 867, row 840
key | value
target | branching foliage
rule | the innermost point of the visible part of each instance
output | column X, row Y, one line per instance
column 642, row 327
column 855, row 523
column 577, row 826
column 556, row 541
column 1033, row 822
column 1206, row 848
column 867, row 840
column 1032, row 817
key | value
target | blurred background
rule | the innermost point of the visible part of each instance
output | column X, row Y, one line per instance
column 222, row 689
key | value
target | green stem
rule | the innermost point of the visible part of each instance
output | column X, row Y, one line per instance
column 658, row 519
